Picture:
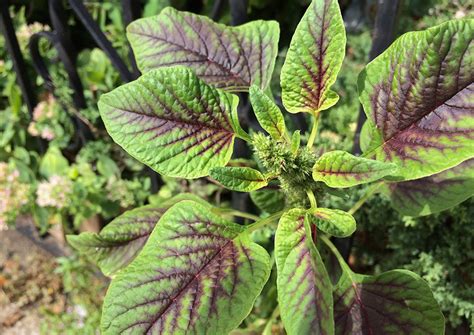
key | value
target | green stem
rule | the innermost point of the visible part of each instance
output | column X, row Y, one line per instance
column 314, row 131
column 263, row 222
column 370, row 192
column 312, row 199
column 273, row 317
column 233, row 212
column 336, row 253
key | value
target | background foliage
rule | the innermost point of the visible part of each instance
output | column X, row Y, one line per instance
column 60, row 186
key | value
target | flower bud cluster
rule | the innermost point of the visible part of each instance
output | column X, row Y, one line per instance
column 54, row 192
column 14, row 194
column 293, row 169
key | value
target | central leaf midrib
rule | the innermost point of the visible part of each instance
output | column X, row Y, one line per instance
column 189, row 123
column 193, row 278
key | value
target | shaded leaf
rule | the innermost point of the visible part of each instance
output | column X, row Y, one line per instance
column 333, row 221
column 314, row 59
column 197, row 274
column 268, row 114
column 242, row 179
column 228, row 57
column 392, row 303
column 121, row 240
column 304, row 287
column 435, row 193
column 53, row 163
column 172, row 121
column 419, row 99
column 268, row 200
column 341, row 169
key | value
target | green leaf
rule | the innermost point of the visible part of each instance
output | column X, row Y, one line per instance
column 295, row 142
column 419, row 99
column 242, row 179
column 53, row 163
column 314, row 59
column 333, row 221
column 392, row 303
column 228, row 57
column 268, row 114
column 341, row 169
column 304, row 287
column 268, row 200
column 107, row 167
column 172, row 121
column 197, row 274
column 122, row 239
column 435, row 193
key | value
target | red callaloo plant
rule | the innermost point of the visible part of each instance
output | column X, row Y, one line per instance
column 185, row 267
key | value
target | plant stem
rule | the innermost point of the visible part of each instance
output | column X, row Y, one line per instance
column 263, row 222
column 370, row 192
column 234, row 212
column 314, row 131
column 312, row 199
column 336, row 252
column 268, row 327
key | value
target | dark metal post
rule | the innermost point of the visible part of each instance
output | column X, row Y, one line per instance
column 238, row 11
column 384, row 30
column 101, row 40
column 13, row 49
column 131, row 10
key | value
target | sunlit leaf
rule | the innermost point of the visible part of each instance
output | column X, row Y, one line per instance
column 314, row 59
column 341, row 169
column 229, row 57
column 268, row 114
column 197, row 274
column 172, row 121
column 122, row 239
column 419, row 99
column 304, row 287
column 333, row 221
column 242, row 179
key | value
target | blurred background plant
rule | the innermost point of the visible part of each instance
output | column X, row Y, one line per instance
column 78, row 189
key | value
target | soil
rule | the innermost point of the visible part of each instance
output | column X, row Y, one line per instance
column 28, row 282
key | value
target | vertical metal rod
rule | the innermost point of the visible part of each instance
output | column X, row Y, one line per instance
column 13, row 48
column 384, row 31
column 238, row 11
column 217, row 10
column 131, row 10
column 101, row 40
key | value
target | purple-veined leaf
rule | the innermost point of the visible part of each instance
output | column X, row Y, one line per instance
column 334, row 222
column 229, row 57
column 121, row 240
column 172, row 121
column 314, row 59
column 435, row 193
column 393, row 303
column 304, row 287
column 197, row 274
column 419, row 99
column 340, row 169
